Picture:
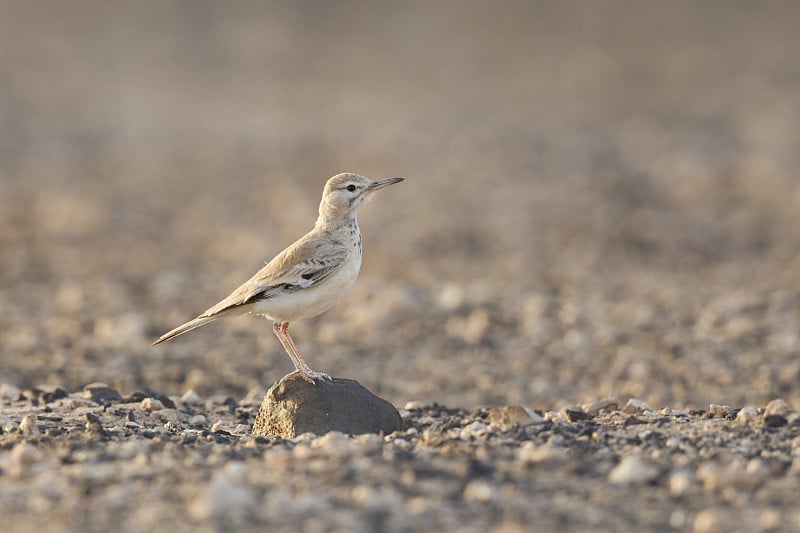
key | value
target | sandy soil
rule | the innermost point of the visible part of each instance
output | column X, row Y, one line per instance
column 602, row 199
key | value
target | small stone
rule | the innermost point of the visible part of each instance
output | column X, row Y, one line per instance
column 217, row 427
column 746, row 415
column 777, row 407
column 166, row 401
column 76, row 402
column 100, row 392
column 28, row 425
column 226, row 496
column 680, row 481
column 367, row 443
column 576, row 415
column 548, row 453
column 95, row 425
column 633, row 469
column 509, row 417
column 9, row 391
column 636, row 406
column 473, row 431
column 479, row 491
column 24, row 453
column 191, row 397
column 711, row 520
column 608, row 404
column 770, row 519
column 719, row 410
column 415, row 404
column 714, row 475
column 198, row 420
column 152, row 404
column 334, row 443
column 775, row 421
column 49, row 393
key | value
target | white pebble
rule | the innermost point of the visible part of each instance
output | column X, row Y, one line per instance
column 531, row 453
column 680, row 481
column 191, row 397
column 633, row 469
column 473, row 430
column 777, row 407
column 334, row 443
column 479, row 491
column 746, row 415
column 609, row 404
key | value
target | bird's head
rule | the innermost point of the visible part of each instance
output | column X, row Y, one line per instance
column 345, row 193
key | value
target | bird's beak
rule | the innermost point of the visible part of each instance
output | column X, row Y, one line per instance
column 380, row 184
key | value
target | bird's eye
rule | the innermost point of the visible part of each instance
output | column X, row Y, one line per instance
column 351, row 187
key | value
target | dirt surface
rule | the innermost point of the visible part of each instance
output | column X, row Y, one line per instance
column 602, row 199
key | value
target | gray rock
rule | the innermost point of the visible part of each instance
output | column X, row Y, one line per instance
column 101, row 393
column 296, row 407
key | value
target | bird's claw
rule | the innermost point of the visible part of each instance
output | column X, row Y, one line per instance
column 306, row 374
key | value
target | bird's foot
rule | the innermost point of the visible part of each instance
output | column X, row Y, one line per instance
column 306, row 374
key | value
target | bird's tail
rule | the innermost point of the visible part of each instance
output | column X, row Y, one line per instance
column 189, row 326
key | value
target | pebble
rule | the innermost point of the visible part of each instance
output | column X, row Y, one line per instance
column 770, row 519
column 606, row 404
column 777, row 407
column 151, row 404
column 775, row 421
column 719, row 410
column 680, row 481
column 191, row 397
column 27, row 425
column 100, row 392
column 225, row 498
column 746, row 415
column 509, row 417
column 547, row 453
column 367, row 443
column 24, row 453
column 198, row 420
column 633, row 469
column 712, row 520
column 715, row 475
column 9, row 391
column 479, row 491
column 636, row 406
column 475, row 430
column 333, row 443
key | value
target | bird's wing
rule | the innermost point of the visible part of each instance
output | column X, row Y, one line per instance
column 304, row 264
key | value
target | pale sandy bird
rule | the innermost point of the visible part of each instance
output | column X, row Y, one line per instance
column 306, row 278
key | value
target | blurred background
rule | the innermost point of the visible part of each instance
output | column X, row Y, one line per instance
column 602, row 198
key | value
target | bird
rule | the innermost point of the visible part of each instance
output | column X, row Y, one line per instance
column 309, row 276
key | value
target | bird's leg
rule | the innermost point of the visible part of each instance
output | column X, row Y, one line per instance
column 302, row 370
column 276, row 328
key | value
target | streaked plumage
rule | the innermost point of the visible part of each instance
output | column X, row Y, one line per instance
column 309, row 276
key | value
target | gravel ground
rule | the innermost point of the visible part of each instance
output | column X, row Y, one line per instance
column 98, row 461
column 602, row 200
